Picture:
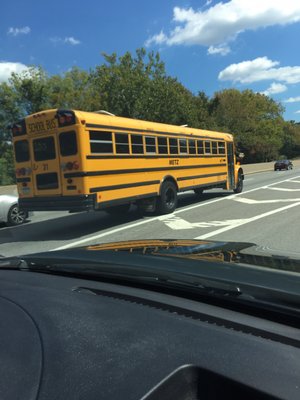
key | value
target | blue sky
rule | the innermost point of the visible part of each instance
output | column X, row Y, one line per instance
column 207, row 45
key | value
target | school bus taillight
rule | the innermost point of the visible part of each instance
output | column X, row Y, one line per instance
column 23, row 171
column 65, row 117
column 19, row 128
column 70, row 166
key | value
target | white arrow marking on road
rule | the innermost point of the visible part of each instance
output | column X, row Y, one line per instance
column 248, row 220
column 252, row 201
column 177, row 223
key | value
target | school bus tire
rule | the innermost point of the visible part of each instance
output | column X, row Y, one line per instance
column 167, row 201
column 240, row 183
column 118, row 210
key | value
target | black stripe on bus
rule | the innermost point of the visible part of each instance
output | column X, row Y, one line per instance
column 124, row 200
column 156, row 156
column 137, row 170
column 187, row 178
column 145, row 131
column 123, row 186
column 21, row 180
column 219, row 184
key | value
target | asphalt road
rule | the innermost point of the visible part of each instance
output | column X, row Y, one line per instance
column 266, row 213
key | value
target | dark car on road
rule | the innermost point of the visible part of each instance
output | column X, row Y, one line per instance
column 283, row 164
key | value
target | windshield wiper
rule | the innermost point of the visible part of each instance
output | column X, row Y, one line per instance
column 124, row 273
column 180, row 276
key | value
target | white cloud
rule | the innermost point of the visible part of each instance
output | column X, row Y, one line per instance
column 6, row 69
column 275, row 88
column 221, row 49
column 158, row 39
column 72, row 41
column 222, row 22
column 260, row 69
column 297, row 112
column 67, row 40
column 18, row 31
column 292, row 99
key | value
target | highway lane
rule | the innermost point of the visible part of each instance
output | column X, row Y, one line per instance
column 266, row 213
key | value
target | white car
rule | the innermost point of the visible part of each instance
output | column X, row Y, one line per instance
column 10, row 212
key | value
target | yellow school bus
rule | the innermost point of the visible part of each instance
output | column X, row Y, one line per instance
column 76, row 160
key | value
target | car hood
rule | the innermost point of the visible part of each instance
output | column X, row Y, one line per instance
column 222, row 251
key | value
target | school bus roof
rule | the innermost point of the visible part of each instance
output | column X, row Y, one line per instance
column 112, row 121
column 115, row 121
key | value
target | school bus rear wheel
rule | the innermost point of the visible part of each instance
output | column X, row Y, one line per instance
column 240, row 183
column 167, row 201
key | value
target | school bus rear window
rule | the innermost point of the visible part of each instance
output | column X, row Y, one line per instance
column 44, row 149
column 22, row 151
column 68, row 143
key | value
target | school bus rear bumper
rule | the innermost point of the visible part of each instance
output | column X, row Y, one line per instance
column 58, row 203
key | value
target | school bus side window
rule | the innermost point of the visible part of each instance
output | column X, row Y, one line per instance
column 221, row 146
column 162, row 145
column 207, row 147
column 68, row 143
column 137, row 144
column 192, row 146
column 214, row 148
column 22, row 151
column 122, row 144
column 101, row 142
column 150, row 144
column 173, row 146
column 183, row 146
column 200, row 148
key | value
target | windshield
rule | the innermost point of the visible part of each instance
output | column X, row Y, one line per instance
column 124, row 122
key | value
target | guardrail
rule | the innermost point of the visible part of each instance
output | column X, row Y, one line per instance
column 248, row 169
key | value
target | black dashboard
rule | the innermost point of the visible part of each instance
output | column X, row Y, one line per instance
column 69, row 338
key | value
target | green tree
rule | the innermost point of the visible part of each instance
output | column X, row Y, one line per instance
column 255, row 120
column 74, row 89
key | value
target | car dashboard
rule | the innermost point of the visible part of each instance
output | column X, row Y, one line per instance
column 70, row 338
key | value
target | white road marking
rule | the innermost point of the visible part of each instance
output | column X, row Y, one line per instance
column 247, row 221
column 252, row 201
column 177, row 223
column 149, row 220
column 282, row 189
column 293, row 180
